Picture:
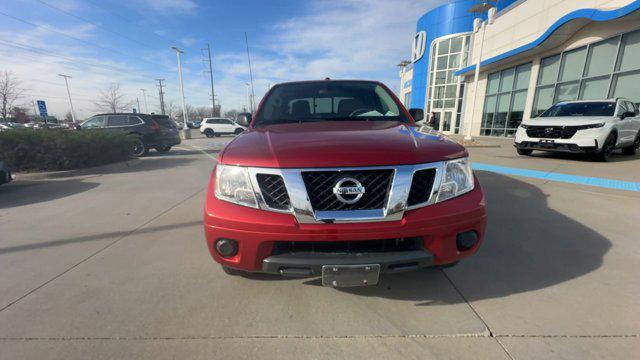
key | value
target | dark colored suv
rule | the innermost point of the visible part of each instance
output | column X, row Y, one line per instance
column 146, row 131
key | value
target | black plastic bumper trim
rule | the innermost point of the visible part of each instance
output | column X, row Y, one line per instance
column 310, row 263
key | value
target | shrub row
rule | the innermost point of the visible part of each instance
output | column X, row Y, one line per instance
column 57, row 149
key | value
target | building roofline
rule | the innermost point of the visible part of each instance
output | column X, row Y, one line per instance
column 588, row 14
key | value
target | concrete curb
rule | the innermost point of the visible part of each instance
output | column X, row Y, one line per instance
column 96, row 170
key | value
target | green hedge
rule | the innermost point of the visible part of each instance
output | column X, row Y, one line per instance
column 57, row 149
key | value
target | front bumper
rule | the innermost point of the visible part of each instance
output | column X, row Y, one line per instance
column 257, row 231
column 559, row 147
column 586, row 141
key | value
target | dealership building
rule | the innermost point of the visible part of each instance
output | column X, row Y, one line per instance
column 492, row 64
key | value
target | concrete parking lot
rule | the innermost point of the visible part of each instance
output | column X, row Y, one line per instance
column 111, row 263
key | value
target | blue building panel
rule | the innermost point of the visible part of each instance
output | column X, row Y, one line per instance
column 447, row 19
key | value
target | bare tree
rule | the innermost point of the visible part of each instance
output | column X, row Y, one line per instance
column 171, row 109
column 19, row 113
column 68, row 117
column 231, row 114
column 10, row 92
column 113, row 100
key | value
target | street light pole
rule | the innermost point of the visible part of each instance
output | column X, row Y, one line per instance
column 73, row 113
column 476, row 76
column 478, row 9
column 185, row 116
column 249, row 105
column 144, row 96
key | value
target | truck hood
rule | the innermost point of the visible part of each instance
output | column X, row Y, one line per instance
column 339, row 144
column 566, row 121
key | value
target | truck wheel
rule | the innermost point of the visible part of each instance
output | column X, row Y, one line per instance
column 231, row 271
column 631, row 149
column 607, row 148
column 138, row 147
column 209, row 133
column 524, row 152
column 163, row 149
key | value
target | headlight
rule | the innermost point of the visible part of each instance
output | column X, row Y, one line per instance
column 456, row 180
column 233, row 185
column 591, row 126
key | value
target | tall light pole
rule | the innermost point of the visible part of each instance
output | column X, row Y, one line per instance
column 249, row 106
column 253, row 95
column 66, row 81
column 185, row 116
column 478, row 9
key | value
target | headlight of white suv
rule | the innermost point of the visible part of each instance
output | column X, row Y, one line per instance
column 234, row 185
column 456, row 180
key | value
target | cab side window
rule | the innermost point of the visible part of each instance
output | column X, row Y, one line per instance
column 117, row 121
column 94, row 122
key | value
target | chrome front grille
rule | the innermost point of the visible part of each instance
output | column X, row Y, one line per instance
column 384, row 192
column 274, row 191
column 320, row 184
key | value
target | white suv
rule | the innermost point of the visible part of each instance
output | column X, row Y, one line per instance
column 595, row 127
column 219, row 126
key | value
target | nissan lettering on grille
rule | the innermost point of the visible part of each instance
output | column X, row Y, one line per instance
column 348, row 190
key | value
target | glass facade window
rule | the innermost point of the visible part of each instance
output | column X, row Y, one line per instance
column 445, row 91
column 606, row 69
column 505, row 100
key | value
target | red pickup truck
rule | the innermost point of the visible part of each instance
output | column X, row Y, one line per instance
column 334, row 179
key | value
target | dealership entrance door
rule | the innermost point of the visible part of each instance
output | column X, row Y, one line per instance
column 446, row 119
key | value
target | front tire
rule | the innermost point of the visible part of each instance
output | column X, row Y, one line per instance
column 631, row 149
column 607, row 148
column 524, row 152
column 209, row 133
column 238, row 131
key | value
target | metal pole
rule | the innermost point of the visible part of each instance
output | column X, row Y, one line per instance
column 248, row 97
column 468, row 135
column 35, row 113
column 185, row 116
column 144, row 96
column 161, row 95
column 253, row 95
column 213, row 94
column 73, row 113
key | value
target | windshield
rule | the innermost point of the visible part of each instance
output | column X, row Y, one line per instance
column 329, row 101
column 581, row 109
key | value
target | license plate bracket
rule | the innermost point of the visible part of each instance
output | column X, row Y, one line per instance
column 350, row 275
column 547, row 143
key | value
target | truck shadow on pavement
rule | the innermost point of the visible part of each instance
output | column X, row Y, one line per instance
column 528, row 246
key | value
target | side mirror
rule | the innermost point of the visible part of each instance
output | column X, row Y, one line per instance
column 244, row 119
column 627, row 114
column 416, row 114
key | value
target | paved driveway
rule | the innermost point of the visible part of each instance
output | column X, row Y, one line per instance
column 111, row 263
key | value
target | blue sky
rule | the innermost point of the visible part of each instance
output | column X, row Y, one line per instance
column 99, row 42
